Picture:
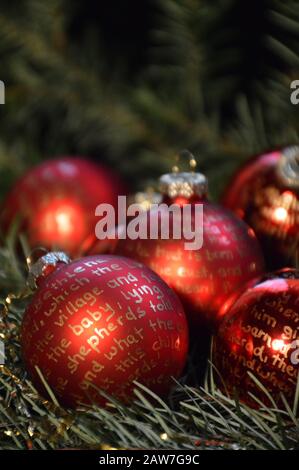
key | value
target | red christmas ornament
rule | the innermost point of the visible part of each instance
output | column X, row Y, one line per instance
column 56, row 202
column 203, row 278
column 260, row 334
column 102, row 322
column 144, row 201
column 265, row 194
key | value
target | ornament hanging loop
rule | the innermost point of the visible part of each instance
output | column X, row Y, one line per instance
column 35, row 254
column 184, row 184
column 184, row 154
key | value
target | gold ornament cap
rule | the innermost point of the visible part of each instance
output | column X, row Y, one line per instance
column 40, row 268
column 288, row 166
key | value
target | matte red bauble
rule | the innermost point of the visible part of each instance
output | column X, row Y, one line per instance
column 203, row 277
column 265, row 193
column 100, row 323
column 55, row 203
column 260, row 334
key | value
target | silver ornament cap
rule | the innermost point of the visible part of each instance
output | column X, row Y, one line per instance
column 288, row 166
column 38, row 269
column 184, row 183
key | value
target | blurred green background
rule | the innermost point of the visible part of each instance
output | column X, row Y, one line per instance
column 129, row 83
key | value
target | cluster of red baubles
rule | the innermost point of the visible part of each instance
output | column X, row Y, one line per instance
column 103, row 322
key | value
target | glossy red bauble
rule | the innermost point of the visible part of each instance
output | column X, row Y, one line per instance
column 265, row 194
column 260, row 335
column 206, row 276
column 141, row 200
column 55, row 203
column 100, row 323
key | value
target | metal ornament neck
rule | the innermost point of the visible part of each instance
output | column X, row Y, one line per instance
column 184, row 184
column 44, row 265
column 288, row 166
